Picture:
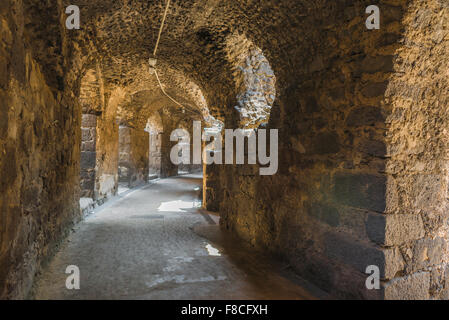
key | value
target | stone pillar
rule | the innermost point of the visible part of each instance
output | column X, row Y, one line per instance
column 191, row 168
column 155, row 155
column 133, row 156
column 211, row 182
column 88, row 155
column 106, row 181
column 140, row 144
column 168, row 169
column 124, row 162
column 184, row 168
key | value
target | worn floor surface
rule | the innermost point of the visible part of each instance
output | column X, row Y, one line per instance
column 154, row 243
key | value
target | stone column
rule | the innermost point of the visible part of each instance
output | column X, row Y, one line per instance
column 211, row 183
column 155, row 155
column 107, row 157
column 124, row 161
column 168, row 169
column 139, row 156
column 192, row 168
column 133, row 156
column 88, row 155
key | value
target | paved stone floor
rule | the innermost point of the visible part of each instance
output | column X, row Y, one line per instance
column 154, row 243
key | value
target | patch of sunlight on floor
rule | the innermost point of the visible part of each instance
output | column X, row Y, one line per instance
column 212, row 251
column 177, row 206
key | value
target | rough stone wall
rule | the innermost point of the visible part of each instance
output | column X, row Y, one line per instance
column 100, row 102
column 319, row 210
column 416, row 224
column 362, row 118
column 39, row 145
column 337, row 205
column 133, row 156
column 88, row 155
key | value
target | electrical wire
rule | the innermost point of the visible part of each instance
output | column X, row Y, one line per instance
column 162, row 27
column 160, row 85
column 155, row 52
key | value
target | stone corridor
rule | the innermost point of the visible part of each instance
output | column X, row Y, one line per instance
column 155, row 243
column 361, row 117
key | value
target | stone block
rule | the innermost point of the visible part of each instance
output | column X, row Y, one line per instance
column 324, row 143
column 324, row 212
column 360, row 190
column 394, row 263
column 372, row 147
column 410, row 287
column 353, row 220
column 426, row 253
column 388, row 39
column 88, row 146
column 373, row 64
column 364, row 116
column 374, row 89
column 88, row 159
column 89, row 121
column 391, row 230
column 86, row 134
column 354, row 253
column 360, row 255
column 428, row 191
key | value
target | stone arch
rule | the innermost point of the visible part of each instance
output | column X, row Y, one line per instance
column 363, row 115
column 255, row 82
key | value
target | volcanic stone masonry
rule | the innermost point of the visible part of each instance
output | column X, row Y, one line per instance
column 133, row 156
column 88, row 155
column 363, row 119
